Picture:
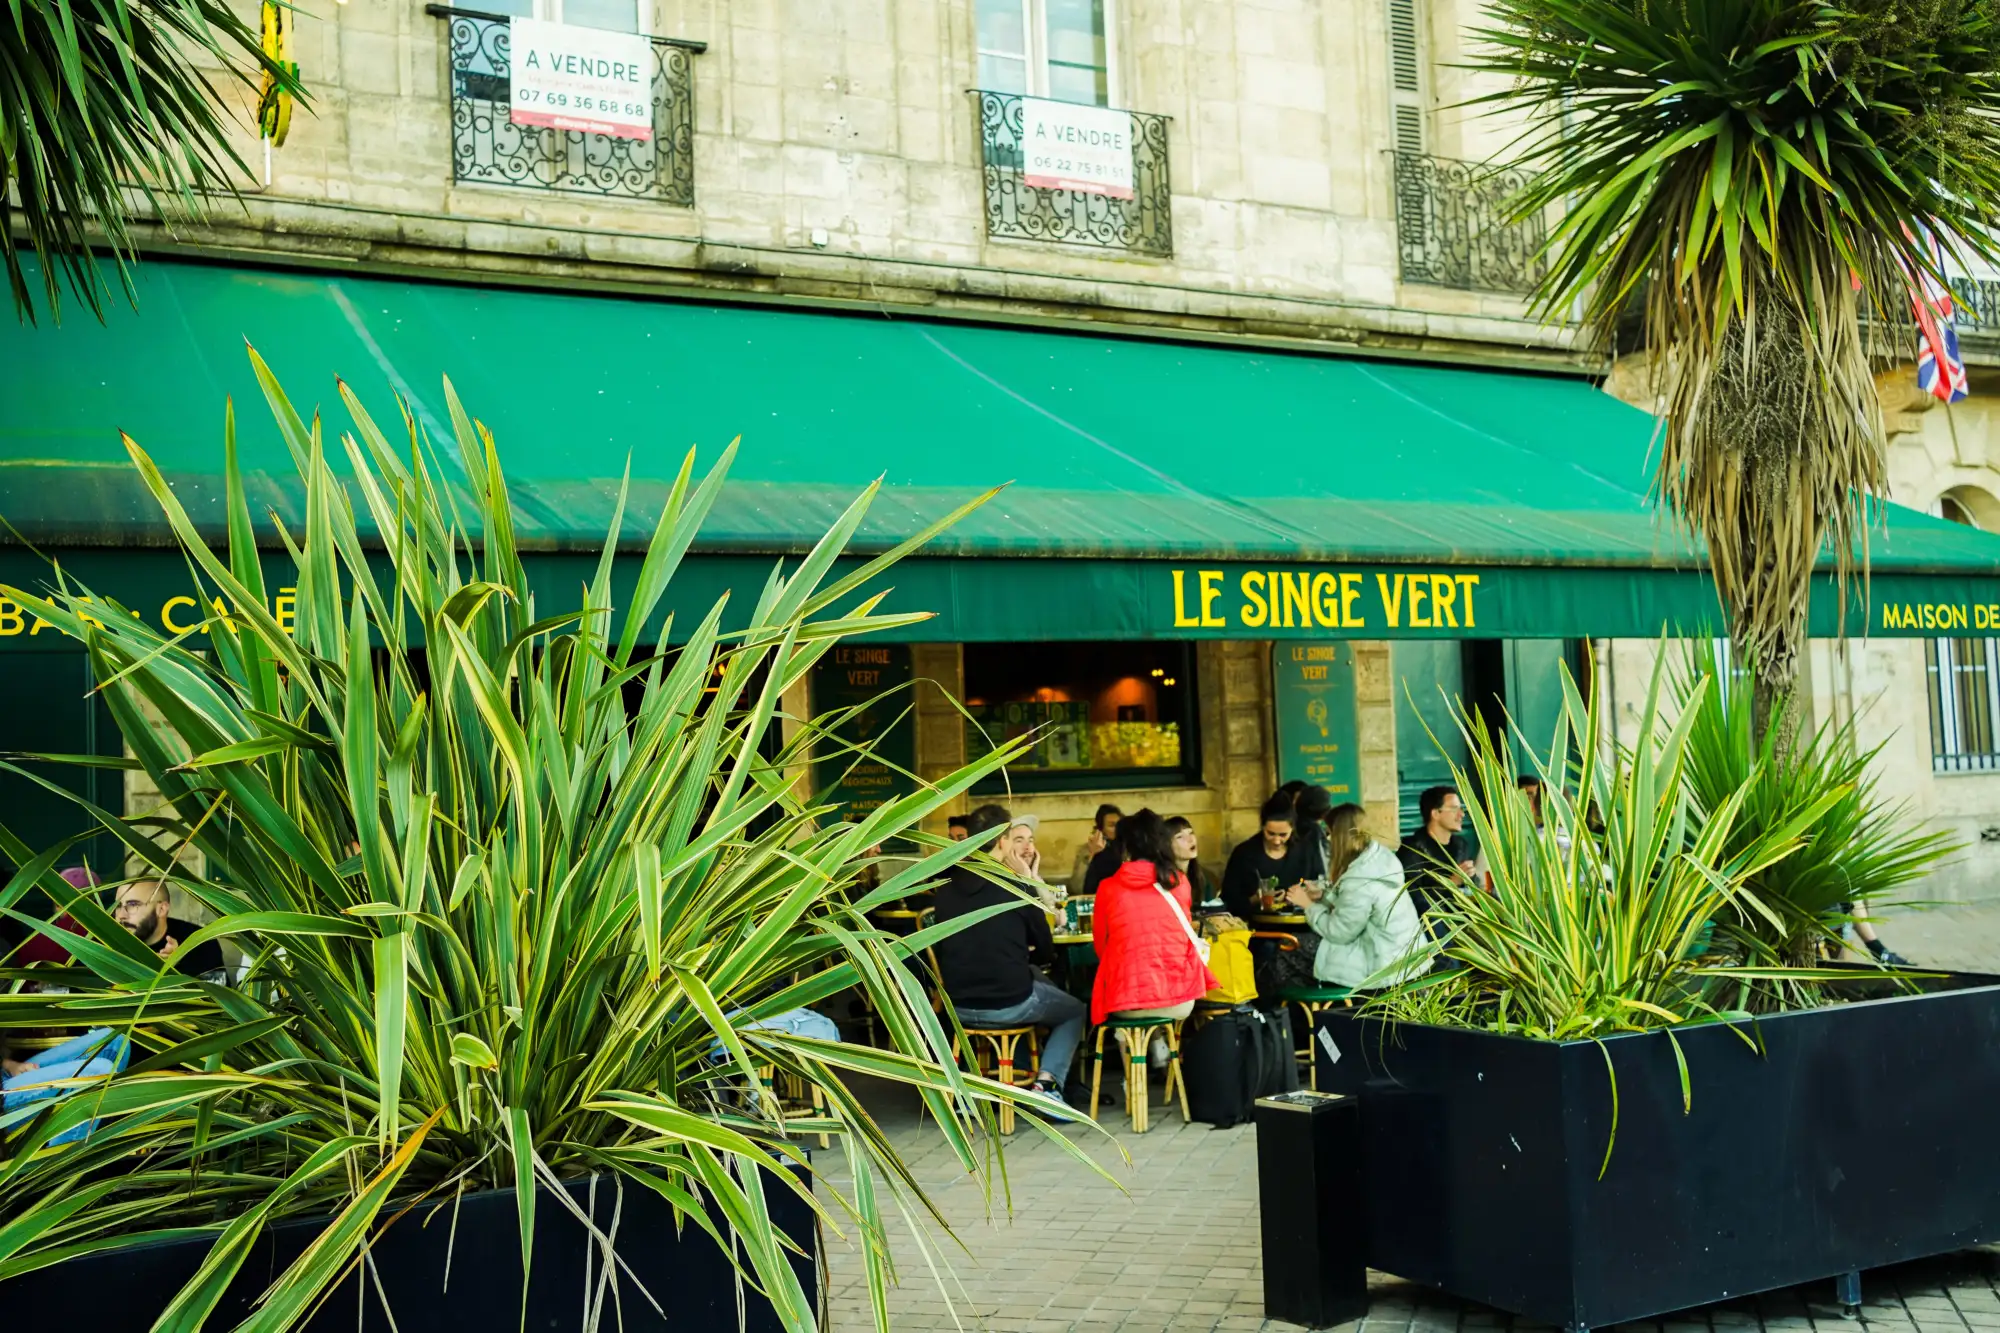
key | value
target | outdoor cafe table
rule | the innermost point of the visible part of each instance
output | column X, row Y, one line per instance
column 1075, row 963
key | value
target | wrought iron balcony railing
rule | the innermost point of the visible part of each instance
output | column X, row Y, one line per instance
column 1019, row 211
column 1976, row 306
column 1453, row 228
column 487, row 148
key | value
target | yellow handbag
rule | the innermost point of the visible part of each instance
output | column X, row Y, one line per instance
column 1235, row 975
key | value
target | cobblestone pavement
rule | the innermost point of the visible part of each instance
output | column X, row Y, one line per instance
column 1176, row 1250
column 1963, row 937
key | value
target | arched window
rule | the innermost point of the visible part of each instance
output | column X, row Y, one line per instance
column 1964, row 679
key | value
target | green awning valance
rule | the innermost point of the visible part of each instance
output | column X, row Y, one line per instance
column 1133, row 463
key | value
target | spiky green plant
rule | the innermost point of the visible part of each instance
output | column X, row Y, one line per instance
column 1584, row 934
column 496, row 927
column 1863, row 848
column 101, row 100
column 1759, row 176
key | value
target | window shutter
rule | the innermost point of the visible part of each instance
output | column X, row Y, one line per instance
column 1406, row 75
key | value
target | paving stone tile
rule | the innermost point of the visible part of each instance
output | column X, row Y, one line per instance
column 1176, row 1251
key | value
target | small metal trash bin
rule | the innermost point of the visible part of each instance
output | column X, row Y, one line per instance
column 1309, row 1208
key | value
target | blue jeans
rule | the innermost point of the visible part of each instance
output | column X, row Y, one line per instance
column 793, row 1023
column 93, row 1055
column 1049, row 1006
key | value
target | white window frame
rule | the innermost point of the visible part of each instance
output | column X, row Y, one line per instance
column 551, row 11
column 1034, row 22
column 1950, row 752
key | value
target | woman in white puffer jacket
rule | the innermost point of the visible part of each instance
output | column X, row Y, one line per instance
column 1365, row 922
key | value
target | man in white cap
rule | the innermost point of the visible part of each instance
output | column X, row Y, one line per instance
column 988, row 969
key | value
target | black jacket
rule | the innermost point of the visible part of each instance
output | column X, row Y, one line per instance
column 1102, row 867
column 991, row 964
column 1427, row 864
column 1248, row 868
column 206, row 957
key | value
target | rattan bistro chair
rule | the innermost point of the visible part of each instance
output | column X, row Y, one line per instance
column 796, row 1098
column 1136, row 1036
column 1001, row 1044
column 1310, row 1001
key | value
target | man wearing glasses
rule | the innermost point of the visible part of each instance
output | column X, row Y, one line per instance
column 142, row 908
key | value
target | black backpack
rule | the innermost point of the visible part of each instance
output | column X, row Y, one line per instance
column 1280, row 1072
column 1234, row 1058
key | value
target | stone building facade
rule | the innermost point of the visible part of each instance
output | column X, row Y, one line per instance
column 836, row 155
column 1313, row 180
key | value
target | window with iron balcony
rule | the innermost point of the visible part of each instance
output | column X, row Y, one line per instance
column 1454, row 224
column 1060, row 161
column 491, row 146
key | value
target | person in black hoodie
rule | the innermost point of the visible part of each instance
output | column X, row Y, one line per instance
column 988, row 969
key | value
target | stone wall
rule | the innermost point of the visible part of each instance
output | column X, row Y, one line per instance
column 143, row 800
column 1883, row 683
column 837, row 157
column 1375, row 696
column 939, row 669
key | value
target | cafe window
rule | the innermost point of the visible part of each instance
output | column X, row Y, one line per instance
column 1964, row 680
column 616, row 15
column 1101, row 714
column 1060, row 49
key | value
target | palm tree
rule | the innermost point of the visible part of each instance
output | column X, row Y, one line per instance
column 1757, row 179
column 102, row 101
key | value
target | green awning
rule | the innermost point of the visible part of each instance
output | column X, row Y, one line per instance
column 1135, row 464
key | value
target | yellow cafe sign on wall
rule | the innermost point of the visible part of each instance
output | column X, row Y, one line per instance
column 176, row 615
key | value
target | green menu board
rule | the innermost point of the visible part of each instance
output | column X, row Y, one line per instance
column 1317, row 730
column 861, row 674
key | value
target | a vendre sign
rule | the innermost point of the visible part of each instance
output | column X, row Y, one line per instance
column 567, row 77
column 1067, row 146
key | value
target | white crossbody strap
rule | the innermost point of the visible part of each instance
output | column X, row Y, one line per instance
column 1200, row 945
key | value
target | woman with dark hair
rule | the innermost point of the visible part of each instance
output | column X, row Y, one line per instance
column 1148, row 965
column 1309, row 811
column 1187, row 850
column 1273, row 854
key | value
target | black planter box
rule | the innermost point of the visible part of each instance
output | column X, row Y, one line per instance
column 684, row 1270
column 1861, row 1136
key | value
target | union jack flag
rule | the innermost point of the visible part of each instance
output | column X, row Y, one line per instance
column 1940, row 369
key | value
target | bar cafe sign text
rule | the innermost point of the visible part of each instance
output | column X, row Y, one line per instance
column 179, row 614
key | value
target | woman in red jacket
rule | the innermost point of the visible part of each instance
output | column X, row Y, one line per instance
column 1147, row 963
